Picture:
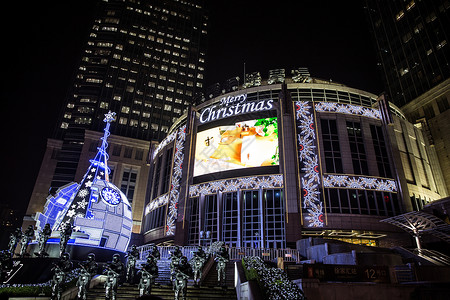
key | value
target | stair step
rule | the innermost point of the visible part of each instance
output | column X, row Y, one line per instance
column 166, row 292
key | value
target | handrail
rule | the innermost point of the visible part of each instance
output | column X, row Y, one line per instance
column 236, row 253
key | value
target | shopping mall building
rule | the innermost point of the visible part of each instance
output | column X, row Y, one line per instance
column 267, row 165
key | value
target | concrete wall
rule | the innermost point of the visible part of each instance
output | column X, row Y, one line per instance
column 337, row 252
column 315, row 290
column 43, row 181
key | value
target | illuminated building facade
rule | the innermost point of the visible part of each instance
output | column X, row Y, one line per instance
column 270, row 163
column 143, row 60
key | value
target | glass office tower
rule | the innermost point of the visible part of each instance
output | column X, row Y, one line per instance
column 143, row 60
column 412, row 43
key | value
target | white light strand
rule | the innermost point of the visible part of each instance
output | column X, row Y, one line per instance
column 348, row 109
column 232, row 185
column 309, row 173
column 360, row 182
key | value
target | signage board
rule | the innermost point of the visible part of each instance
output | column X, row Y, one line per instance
column 233, row 106
column 244, row 144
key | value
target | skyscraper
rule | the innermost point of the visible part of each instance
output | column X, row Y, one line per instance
column 143, row 60
column 412, row 44
column 412, row 41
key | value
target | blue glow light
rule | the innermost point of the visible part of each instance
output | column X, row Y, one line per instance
column 110, row 196
column 104, row 224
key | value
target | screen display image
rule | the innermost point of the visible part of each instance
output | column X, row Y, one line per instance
column 245, row 144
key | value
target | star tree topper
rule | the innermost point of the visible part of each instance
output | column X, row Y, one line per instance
column 110, row 117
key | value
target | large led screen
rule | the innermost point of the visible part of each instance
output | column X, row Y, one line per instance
column 251, row 143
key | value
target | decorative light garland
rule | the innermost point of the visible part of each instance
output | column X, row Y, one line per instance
column 360, row 182
column 347, row 109
column 233, row 184
column 157, row 202
column 174, row 193
column 164, row 143
column 309, row 173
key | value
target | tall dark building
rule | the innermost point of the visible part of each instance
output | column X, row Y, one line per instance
column 412, row 40
column 143, row 60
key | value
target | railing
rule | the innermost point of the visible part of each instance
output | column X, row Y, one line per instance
column 236, row 253
column 433, row 256
column 267, row 254
column 165, row 251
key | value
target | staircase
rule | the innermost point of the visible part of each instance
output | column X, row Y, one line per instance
column 163, row 271
column 166, row 293
column 163, row 288
column 210, row 279
column 433, row 256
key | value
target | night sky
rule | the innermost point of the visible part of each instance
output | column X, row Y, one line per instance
column 42, row 45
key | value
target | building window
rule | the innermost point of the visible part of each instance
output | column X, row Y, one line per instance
column 210, row 223
column 381, row 155
column 365, row 202
column 167, row 171
column 93, row 146
column 194, row 219
column 139, row 154
column 429, row 111
column 274, row 219
column 128, row 152
column 442, row 104
column 156, row 218
column 111, row 172
column 116, row 150
column 134, row 123
column 332, row 150
column 251, row 220
column 358, row 152
column 156, row 177
column 83, row 120
column 128, row 183
column 230, row 217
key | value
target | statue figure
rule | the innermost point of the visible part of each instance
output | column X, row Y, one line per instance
column 175, row 256
column 25, row 240
column 149, row 272
column 44, row 234
column 222, row 258
column 113, row 272
column 88, row 270
column 14, row 238
column 6, row 263
column 197, row 262
column 60, row 270
column 66, row 232
column 132, row 256
column 154, row 251
column 182, row 272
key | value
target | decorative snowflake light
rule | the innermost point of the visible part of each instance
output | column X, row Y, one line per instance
column 110, row 196
column 307, row 153
column 233, row 184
